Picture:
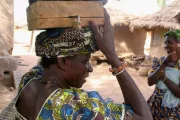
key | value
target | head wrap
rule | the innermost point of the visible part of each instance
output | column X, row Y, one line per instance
column 173, row 33
column 64, row 42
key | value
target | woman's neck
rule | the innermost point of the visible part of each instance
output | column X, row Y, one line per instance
column 173, row 64
column 54, row 76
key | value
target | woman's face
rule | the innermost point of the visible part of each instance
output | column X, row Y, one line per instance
column 170, row 44
column 78, row 70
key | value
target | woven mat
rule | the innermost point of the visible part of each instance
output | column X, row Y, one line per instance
column 17, row 78
column 8, row 112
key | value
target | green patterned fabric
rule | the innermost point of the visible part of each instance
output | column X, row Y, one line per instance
column 173, row 33
column 64, row 42
column 74, row 103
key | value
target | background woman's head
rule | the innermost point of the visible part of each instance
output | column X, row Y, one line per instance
column 69, row 50
column 172, row 40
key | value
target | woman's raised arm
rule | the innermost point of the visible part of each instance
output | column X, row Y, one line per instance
column 131, row 93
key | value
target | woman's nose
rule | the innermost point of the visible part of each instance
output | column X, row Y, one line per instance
column 90, row 68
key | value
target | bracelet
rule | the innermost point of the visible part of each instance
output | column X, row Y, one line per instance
column 115, row 74
column 117, row 70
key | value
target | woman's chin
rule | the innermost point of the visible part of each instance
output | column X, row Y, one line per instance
column 82, row 83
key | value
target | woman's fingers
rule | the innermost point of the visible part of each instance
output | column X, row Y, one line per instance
column 106, row 39
column 98, row 34
column 106, row 17
column 94, row 27
column 107, row 25
column 107, row 22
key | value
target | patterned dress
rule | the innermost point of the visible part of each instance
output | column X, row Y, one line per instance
column 159, row 111
column 74, row 103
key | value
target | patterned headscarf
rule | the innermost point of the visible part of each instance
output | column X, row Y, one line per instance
column 173, row 33
column 64, row 42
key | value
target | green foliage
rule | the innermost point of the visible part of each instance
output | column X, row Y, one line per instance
column 161, row 2
column 174, row 33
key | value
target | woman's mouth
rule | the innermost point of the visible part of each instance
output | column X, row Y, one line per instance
column 85, row 78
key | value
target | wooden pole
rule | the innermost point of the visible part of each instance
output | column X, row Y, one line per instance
column 31, row 41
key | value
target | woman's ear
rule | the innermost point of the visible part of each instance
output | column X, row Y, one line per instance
column 61, row 62
column 179, row 44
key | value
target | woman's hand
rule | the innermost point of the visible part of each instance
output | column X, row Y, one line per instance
column 174, row 88
column 172, row 57
column 105, row 40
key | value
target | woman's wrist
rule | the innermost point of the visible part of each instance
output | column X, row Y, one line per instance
column 113, row 60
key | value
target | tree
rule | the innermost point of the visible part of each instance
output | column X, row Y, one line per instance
column 161, row 2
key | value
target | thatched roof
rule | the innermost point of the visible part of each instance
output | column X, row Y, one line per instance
column 119, row 17
column 178, row 17
column 164, row 18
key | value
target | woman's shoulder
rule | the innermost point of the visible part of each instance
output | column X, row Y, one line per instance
column 34, row 73
column 70, row 103
column 74, row 102
column 76, row 94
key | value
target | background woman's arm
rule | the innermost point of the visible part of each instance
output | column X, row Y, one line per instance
column 175, row 89
column 159, row 72
column 155, row 76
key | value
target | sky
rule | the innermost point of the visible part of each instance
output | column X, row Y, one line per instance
column 20, row 11
column 136, row 7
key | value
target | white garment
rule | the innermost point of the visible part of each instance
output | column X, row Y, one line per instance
column 169, row 99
